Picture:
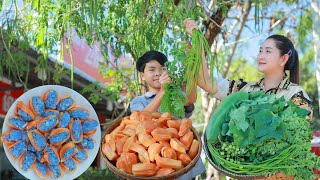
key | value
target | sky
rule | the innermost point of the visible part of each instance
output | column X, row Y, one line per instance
column 253, row 39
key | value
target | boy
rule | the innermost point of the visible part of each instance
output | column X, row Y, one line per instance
column 151, row 66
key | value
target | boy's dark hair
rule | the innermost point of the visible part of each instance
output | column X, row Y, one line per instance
column 147, row 57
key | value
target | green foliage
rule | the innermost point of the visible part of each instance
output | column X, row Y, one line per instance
column 309, row 82
column 214, row 130
column 184, row 70
column 15, row 64
column 59, row 71
column 304, row 29
column 242, row 68
column 265, row 134
column 173, row 100
column 307, row 67
column 94, row 97
column 97, row 173
column 42, row 65
column 137, row 27
column 223, row 5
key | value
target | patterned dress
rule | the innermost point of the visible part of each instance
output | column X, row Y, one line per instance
column 286, row 88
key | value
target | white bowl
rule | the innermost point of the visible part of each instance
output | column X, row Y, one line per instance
column 80, row 102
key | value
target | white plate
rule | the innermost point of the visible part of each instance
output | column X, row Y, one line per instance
column 80, row 102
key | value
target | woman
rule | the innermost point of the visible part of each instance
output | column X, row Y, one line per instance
column 276, row 56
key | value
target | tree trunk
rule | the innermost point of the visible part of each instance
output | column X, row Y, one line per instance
column 316, row 33
column 208, row 107
column 214, row 22
column 227, row 34
column 213, row 25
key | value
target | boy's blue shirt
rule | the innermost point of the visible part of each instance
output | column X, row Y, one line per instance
column 140, row 102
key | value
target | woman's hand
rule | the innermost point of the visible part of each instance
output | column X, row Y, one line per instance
column 190, row 26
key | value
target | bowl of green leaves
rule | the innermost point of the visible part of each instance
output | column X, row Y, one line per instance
column 254, row 135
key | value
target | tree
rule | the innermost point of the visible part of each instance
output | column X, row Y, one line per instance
column 316, row 23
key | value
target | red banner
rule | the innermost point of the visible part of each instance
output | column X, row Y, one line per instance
column 87, row 59
column 7, row 97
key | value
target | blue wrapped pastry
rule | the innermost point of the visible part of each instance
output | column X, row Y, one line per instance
column 58, row 136
column 66, row 104
column 51, row 155
column 67, row 151
column 41, row 169
column 45, row 124
column 37, row 139
column 27, row 160
column 11, row 136
column 69, row 165
column 56, row 170
column 31, row 148
column 87, row 143
column 50, row 112
column 81, row 155
column 38, row 154
column 51, row 99
column 58, row 133
column 16, row 123
column 79, row 113
column 89, row 126
column 37, row 105
column 17, row 149
column 76, row 131
column 64, row 119
column 24, row 112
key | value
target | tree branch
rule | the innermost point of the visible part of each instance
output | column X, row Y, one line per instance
column 274, row 25
column 213, row 23
column 227, row 33
column 246, row 12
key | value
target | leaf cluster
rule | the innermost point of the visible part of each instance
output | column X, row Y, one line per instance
column 273, row 133
column 173, row 100
column 128, row 27
column 96, row 173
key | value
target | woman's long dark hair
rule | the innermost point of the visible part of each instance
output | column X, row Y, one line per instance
column 285, row 46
